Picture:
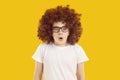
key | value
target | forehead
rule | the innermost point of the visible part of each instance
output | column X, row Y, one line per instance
column 59, row 24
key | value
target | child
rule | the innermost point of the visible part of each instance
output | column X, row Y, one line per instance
column 60, row 57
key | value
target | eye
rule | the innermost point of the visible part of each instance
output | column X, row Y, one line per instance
column 55, row 29
column 64, row 28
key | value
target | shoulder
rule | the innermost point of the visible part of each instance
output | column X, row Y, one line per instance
column 44, row 45
column 77, row 46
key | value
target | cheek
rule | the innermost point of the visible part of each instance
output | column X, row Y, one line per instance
column 54, row 35
column 67, row 34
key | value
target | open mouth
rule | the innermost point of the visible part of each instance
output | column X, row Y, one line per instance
column 60, row 38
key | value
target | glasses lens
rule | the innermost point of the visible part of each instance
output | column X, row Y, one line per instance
column 64, row 29
column 55, row 29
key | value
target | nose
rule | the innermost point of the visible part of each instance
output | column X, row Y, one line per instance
column 60, row 32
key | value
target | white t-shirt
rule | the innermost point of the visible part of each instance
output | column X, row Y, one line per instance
column 60, row 63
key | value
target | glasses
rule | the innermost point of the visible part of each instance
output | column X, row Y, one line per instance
column 57, row 29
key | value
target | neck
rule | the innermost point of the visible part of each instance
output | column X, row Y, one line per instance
column 65, row 44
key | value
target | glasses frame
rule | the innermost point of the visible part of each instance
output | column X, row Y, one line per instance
column 62, row 29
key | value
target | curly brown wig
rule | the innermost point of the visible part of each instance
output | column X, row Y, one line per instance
column 64, row 14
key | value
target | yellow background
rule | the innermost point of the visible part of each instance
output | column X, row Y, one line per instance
column 100, row 38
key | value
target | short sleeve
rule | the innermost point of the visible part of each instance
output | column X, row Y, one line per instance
column 81, row 55
column 38, row 54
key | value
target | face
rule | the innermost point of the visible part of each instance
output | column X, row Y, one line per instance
column 60, row 33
